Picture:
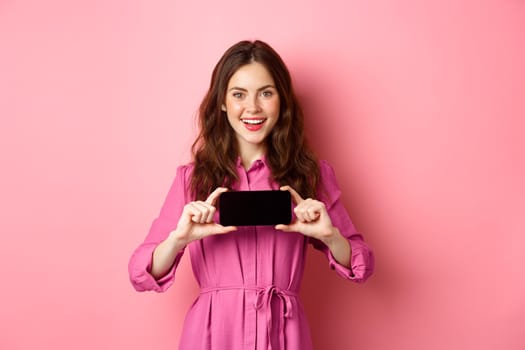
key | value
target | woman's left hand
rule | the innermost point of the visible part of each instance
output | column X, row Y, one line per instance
column 312, row 217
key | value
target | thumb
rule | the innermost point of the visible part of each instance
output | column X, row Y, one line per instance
column 296, row 197
column 225, row 229
column 212, row 198
column 286, row 228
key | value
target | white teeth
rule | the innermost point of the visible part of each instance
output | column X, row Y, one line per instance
column 252, row 121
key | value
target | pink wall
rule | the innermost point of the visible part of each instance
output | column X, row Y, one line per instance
column 418, row 105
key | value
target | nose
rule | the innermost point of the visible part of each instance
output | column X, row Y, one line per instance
column 252, row 105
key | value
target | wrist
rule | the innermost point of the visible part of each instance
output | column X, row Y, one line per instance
column 332, row 237
column 339, row 247
column 176, row 240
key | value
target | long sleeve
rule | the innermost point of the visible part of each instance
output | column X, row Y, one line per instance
column 139, row 266
column 362, row 259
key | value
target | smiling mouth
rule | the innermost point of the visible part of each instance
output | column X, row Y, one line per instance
column 253, row 121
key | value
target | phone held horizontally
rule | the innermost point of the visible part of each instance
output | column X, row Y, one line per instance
column 255, row 208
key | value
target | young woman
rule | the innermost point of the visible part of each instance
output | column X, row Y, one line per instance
column 251, row 138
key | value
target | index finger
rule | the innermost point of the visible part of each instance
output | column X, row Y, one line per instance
column 212, row 198
column 296, row 197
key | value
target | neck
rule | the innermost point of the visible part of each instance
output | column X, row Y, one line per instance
column 251, row 154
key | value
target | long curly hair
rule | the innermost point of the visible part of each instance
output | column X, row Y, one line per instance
column 215, row 151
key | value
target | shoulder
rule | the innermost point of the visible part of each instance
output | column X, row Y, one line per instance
column 183, row 177
column 178, row 194
column 326, row 170
column 185, row 170
column 328, row 190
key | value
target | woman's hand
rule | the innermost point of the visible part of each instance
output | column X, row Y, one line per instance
column 313, row 221
column 196, row 220
column 312, row 217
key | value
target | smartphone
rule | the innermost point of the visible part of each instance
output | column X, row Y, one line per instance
column 251, row 208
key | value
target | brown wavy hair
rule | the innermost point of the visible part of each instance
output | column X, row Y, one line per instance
column 215, row 150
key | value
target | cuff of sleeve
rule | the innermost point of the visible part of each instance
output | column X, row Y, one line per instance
column 361, row 266
column 343, row 271
column 140, row 272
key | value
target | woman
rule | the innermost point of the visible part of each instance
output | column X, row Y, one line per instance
column 251, row 138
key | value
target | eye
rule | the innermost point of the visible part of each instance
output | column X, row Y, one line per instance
column 238, row 95
column 267, row 93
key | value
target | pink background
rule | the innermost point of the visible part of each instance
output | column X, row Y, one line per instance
column 419, row 106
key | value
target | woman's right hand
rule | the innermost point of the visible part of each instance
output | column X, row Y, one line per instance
column 196, row 220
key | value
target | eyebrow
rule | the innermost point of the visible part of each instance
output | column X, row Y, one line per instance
column 259, row 89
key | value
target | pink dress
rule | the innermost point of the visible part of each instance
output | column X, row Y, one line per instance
column 250, row 278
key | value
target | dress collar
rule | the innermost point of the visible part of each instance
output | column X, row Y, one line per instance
column 255, row 164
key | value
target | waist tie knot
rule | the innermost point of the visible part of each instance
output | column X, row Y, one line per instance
column 264, row 301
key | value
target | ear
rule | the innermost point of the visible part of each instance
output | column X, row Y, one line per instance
column 223, row 108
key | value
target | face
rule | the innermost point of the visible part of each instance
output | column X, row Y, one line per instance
column 252, row 105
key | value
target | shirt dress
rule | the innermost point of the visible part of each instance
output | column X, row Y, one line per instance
column 249, row 279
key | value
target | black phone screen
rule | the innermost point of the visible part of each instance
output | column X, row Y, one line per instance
column 250, row 208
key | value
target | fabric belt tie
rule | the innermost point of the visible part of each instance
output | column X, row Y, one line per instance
column 263, row 301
